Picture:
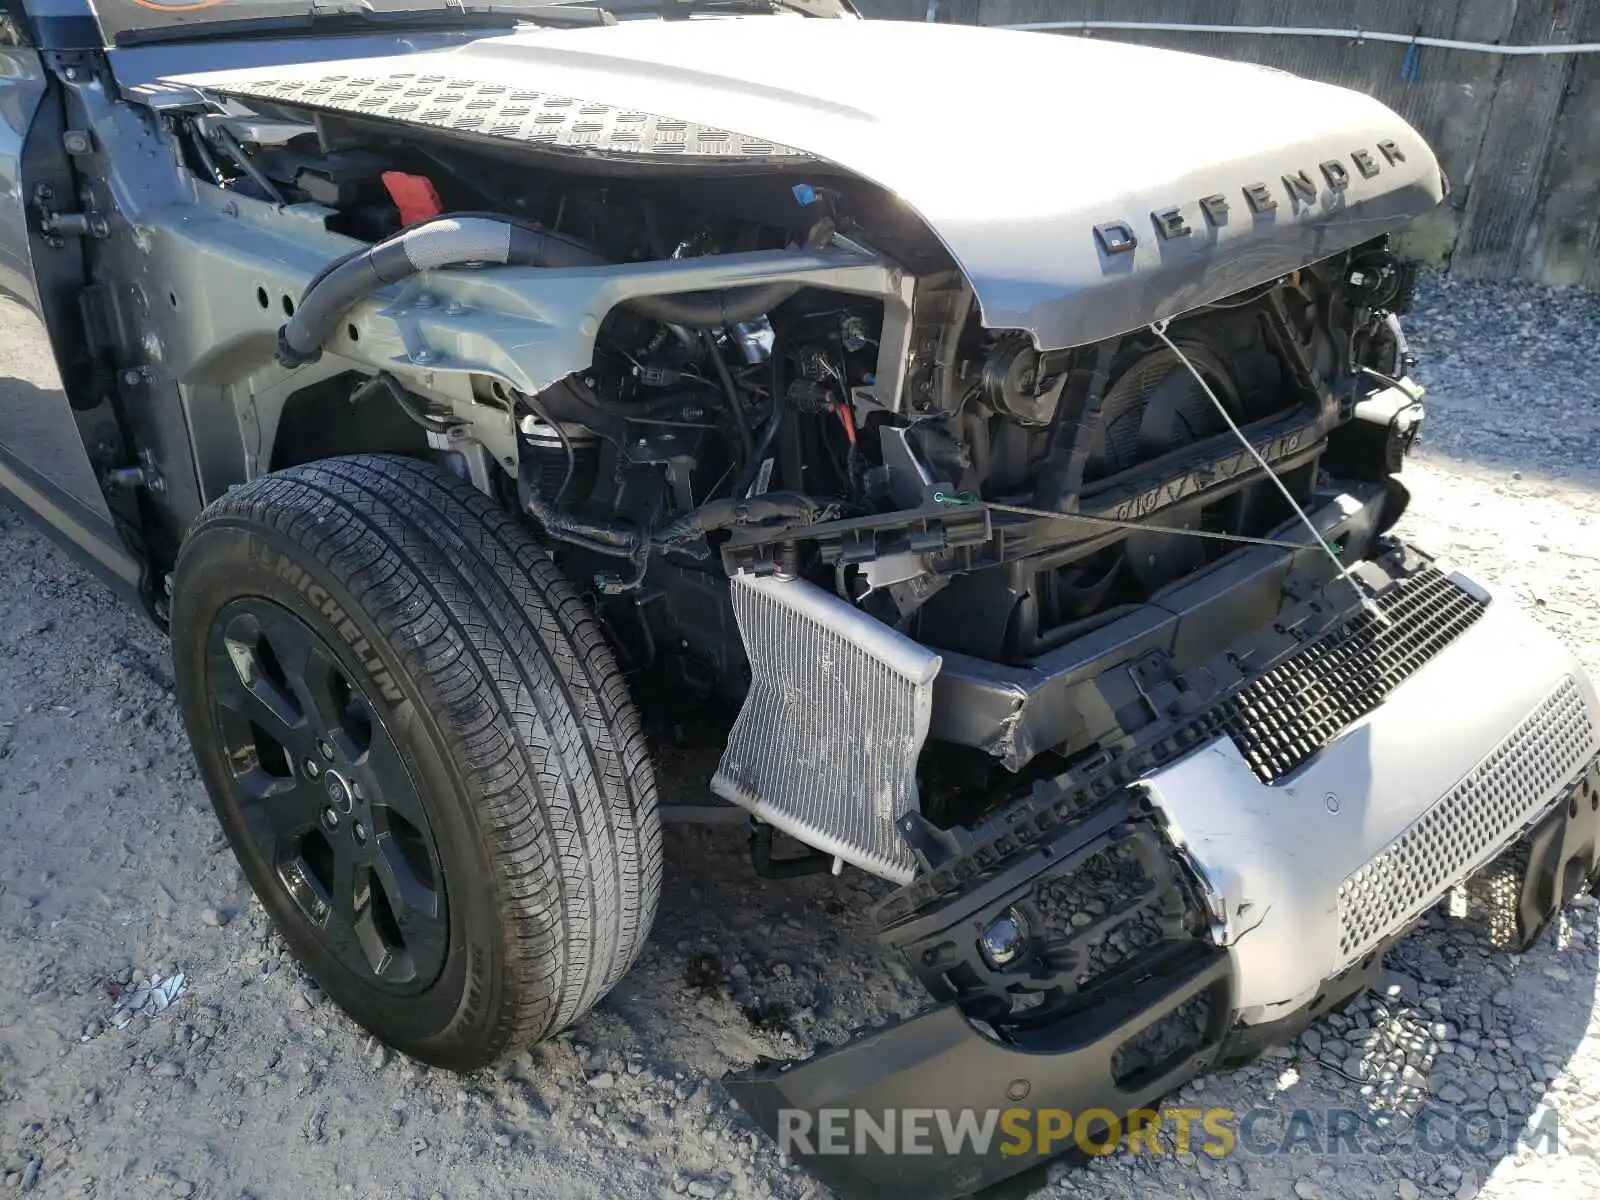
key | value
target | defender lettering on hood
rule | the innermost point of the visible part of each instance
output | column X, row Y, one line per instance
column 1118, row 237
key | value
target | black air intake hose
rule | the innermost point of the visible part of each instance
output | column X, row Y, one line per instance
column 623, row 540
column 445, row 242
column 452, row 241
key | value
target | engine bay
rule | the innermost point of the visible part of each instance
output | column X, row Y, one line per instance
column 997, row 502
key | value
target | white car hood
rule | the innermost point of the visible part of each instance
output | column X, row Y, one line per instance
column 1035, row 159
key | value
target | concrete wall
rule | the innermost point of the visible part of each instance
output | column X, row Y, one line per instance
column 1519, row 137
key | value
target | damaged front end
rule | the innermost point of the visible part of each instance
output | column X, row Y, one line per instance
column 1040, row 533
column 1232, row 869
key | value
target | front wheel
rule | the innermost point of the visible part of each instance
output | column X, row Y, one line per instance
column 421, row 750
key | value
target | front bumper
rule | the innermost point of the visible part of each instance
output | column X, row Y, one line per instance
column 1302, row 851
column 1313, row 873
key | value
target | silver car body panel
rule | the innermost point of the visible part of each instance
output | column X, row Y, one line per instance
column 21, row 88
column 1310, row 875
column 1012, row 147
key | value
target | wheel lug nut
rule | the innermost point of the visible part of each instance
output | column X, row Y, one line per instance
column 312, row 769
column 326, row 750
column 360, row 831
column 330, row 818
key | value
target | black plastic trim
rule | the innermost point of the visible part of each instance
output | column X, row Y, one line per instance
column 1016, row 712
column 1563, row 856
column 941, row 1061
column 1284, row 716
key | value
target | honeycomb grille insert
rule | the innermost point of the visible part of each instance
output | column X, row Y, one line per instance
column 1468, row 824
column 1285, row 716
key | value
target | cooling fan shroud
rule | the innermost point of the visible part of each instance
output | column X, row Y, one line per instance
column 1154, row 406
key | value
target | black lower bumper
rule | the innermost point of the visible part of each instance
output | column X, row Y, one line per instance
column 931, row 1074
column 936, row 1107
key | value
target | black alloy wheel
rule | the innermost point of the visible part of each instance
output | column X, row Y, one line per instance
column 326, row 796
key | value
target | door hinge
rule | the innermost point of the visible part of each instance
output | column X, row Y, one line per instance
column 56, row 225
column 146, row 475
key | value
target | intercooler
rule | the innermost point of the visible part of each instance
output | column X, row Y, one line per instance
column 826, row 746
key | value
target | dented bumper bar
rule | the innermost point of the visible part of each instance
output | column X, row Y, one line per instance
column 1269, row 865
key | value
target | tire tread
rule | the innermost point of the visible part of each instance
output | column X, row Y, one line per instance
column 537, row 716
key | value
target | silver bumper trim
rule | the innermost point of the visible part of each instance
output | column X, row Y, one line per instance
column 1307, row 875
column 1503, row 793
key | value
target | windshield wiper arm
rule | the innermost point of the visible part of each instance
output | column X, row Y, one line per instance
column 549, row 11
column 668, row 9
column 359, row 16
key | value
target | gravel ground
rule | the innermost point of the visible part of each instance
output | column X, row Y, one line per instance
column 247, row 1083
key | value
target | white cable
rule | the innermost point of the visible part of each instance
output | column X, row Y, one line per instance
column 1354, row 35
column 1367, row 602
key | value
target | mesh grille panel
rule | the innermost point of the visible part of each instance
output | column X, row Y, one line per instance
column 1284, row 717
column 826, row 745
column 1470, row 823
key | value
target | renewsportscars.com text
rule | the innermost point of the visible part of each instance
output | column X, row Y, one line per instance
column 1216, row 1132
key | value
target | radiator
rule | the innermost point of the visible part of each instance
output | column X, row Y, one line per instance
column 825, row 748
